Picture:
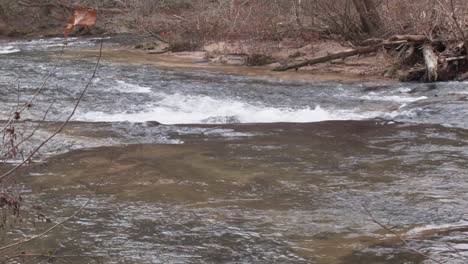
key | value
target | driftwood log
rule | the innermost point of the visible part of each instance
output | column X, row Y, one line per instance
column 342, row 54
column 431, row 62
column 330, row 57
column 410, row 38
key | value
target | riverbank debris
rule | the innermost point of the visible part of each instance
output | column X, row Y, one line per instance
column 417, row 57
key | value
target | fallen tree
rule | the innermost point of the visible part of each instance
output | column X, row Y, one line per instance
column 330, row 57
column 341, row 55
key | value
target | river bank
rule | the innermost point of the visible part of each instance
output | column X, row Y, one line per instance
column 270, row 58
column 214, row 57
column 257, row 58
column 282, row 34
column 231, row 58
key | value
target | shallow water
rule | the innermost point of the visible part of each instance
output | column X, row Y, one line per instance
column 244, row 170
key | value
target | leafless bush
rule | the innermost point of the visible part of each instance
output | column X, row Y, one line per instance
column 194, row 23
column 433, row 18
column 335, row 18
column 190, row 24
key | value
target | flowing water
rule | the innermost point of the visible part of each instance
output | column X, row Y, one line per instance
column 241, row 169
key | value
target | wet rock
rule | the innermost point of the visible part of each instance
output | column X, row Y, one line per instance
column 152, row 124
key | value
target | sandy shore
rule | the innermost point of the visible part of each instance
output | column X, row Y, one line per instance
column 352, row 71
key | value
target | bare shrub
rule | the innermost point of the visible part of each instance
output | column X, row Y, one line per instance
column 427, row 17
column 189, row 24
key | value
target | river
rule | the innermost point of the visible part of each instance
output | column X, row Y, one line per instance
column 208, row 167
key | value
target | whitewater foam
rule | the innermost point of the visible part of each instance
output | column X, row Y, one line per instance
column 8, row 50
column 124, row 87
column 392, row 98
column 183, row 109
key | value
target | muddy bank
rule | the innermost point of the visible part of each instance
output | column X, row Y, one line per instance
column 196, row 61
column 231, row 59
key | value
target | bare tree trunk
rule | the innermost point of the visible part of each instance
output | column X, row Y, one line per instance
column 3, row 25
column 297, row 14
column 373, row 13
column 368, row 15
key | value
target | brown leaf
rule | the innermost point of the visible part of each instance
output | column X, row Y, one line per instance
column 83, row 16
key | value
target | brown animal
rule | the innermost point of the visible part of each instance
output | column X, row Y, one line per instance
column 83, row 16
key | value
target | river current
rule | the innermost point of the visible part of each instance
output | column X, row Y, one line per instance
column 207, row 167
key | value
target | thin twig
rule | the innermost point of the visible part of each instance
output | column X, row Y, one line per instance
column 83, row 92
column 403, row 240
column 4, row 156
column 38, row 91
column 46, row 231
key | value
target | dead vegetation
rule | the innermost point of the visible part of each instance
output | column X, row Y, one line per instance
column 416, row 58
column 439, row 26
column 425, row 39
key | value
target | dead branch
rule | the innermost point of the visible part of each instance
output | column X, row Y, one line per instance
column 77, row 103
column 29, row 104
column 33, row 132
column 24, row 241
column 410, row 38
column 451, row 59
column 457, row 23
column 398, row 236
